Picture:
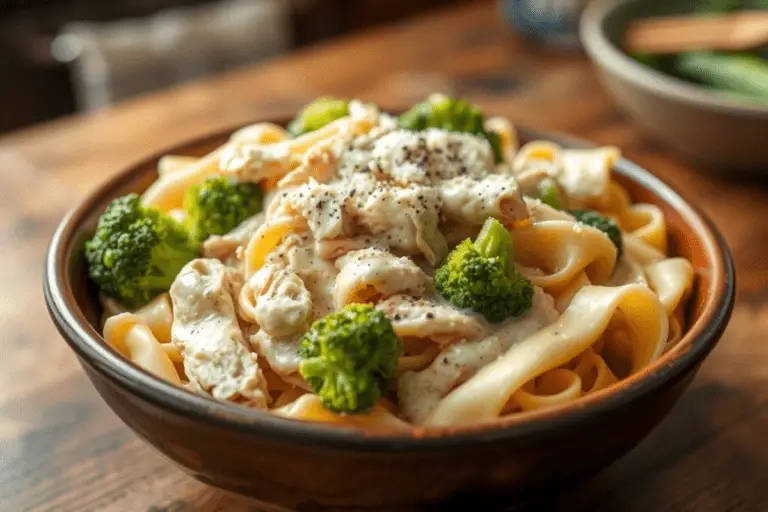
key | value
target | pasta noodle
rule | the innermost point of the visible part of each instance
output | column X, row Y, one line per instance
column 640, row 251
column 131, row 337
column 594, row 374
column 267, row 238
column 157, row 314
column 307, row 407
column 563, row 300
column 170, row 164
column 549, row 389
column 507, row 134
column 538, row 153
column 533, row 309
column 672, row 280
column 552, row 253
column 260, row 133
column 646, row 222
column 579, row 326
column 167, row 192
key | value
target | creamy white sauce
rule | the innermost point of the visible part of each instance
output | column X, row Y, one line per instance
column 432, row 155
column 471, row 201
column 431, row 319
column 420, row 392
column 375, row 274
column 283, row 303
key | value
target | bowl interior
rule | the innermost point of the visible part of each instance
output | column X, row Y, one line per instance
column 73, row 299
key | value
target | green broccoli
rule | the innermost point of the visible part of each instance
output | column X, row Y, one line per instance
column 455, row 115
column 136, row 251
column 218, row 205
column 348, row 357
column 607, row 226
column 480, row 276
column 318, row 114
column 549, row 193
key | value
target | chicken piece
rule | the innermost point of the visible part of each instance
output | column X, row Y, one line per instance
column 205, row 329
column 373, row 274
column 338, row 247
column 222, row 247
column 282, row 354
column 356, row 152
column 430, row 156
column 468, row 201
column 255, row 162
column 586, row 173
column 541, row 212
column 297, row 253
column 323, row 207
column 319, row 163
column 405, row 217
column 277, row 300
column 428, row 320
column 420, row 392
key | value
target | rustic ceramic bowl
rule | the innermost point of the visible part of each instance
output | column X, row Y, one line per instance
column 305, row 466
column 706, row 126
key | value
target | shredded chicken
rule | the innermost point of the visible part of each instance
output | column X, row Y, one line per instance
column 429, row 320
column 206, row 331
column 322, row 206
column 282, row 354
column 469, row 201
column 426, row 157
column 338, row 247
column 407, row 217
column 222, row 247
column 278, row 300
column 248, row 161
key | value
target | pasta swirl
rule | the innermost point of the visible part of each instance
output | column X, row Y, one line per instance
column 579, row 327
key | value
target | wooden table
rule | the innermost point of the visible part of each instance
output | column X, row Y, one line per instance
column 62, row 449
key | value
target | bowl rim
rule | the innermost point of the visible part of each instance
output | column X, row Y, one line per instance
column 92, row 351
column 606, row 54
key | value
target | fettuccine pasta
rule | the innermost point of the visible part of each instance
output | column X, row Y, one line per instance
column 424, row 270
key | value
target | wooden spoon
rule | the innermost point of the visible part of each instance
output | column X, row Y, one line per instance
column 742, row 30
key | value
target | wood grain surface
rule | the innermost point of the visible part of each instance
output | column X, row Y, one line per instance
column 62, row 449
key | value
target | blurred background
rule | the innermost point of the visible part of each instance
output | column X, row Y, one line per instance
column 61, row 56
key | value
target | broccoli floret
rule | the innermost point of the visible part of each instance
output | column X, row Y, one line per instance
column 136, row 252
column 451, row 114
column 348, row 357
column 318, row 114
column 218, row 205
column 549, row 193
column 480, row 276
column 607, row 226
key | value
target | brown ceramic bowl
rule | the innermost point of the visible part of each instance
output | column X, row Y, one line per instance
column 706, row 126
column 309, row 466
